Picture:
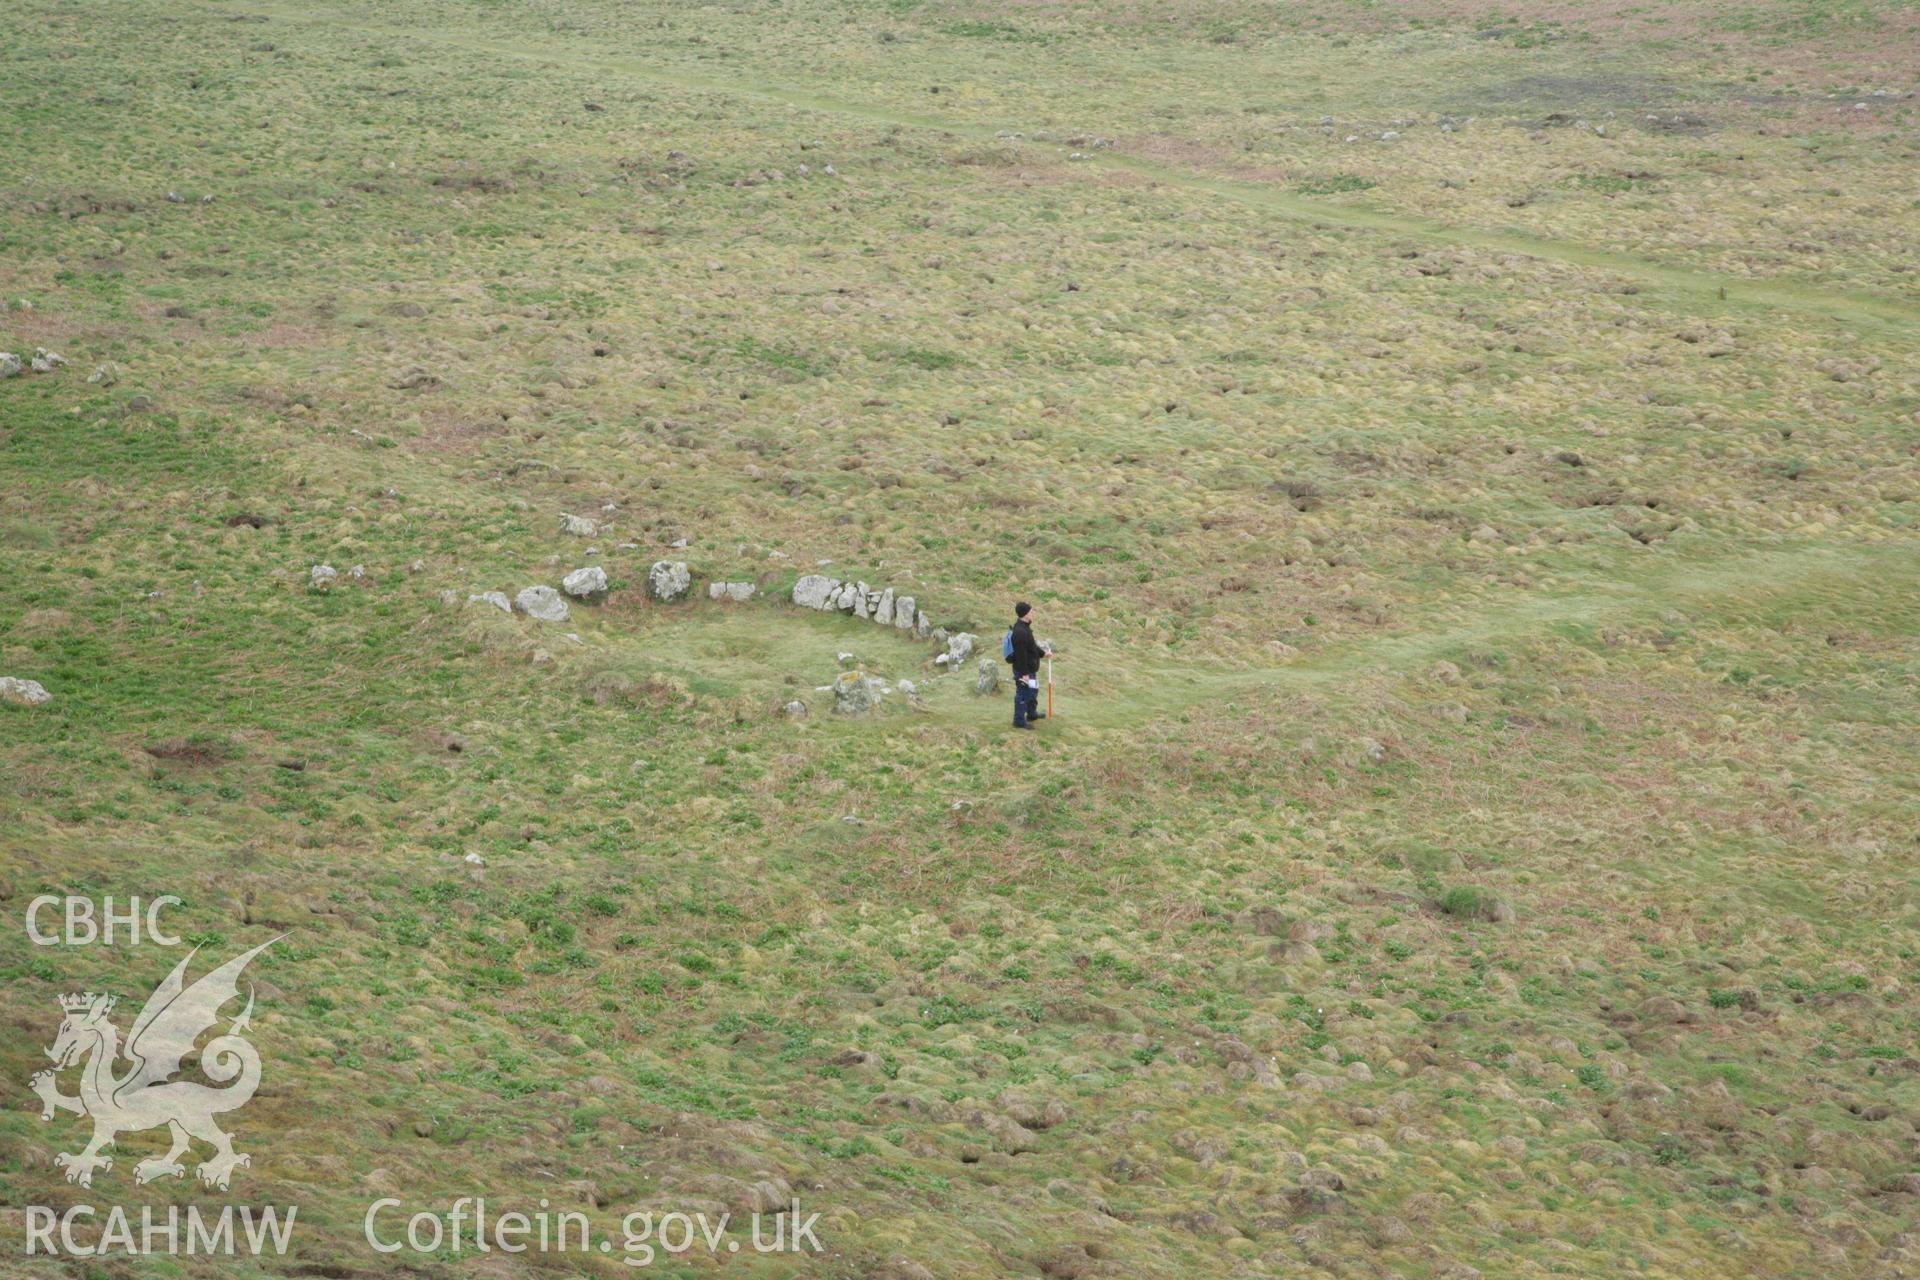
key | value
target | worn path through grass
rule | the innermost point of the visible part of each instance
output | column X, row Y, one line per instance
column 1806, row 574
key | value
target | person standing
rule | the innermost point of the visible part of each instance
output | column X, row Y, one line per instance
column 1025, row 658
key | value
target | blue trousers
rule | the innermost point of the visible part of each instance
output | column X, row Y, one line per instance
column 1026, row 702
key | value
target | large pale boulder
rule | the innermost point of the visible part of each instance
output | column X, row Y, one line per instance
column 542, row 603
column 883, row 608
column 903, row 612
column 23, row 693
column 738, row 592
column 588, row 583
column 988, row 681
column 815, row 591
column 668, row 580
column 855, row 693
column 959, row 649
column 498, row 599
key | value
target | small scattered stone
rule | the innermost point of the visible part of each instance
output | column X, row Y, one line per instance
column 737, row 592
column 45, row 361
column 498, row 599
column 578, row 526
column 322, row 574
column 10, row 365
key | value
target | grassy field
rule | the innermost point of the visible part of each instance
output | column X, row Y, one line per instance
column 1468, row 457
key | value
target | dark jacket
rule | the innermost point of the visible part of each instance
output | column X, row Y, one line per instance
column 1026, row 651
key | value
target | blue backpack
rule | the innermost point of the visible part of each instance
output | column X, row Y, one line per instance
column 1006, row 646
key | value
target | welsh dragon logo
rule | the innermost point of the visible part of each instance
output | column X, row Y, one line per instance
column 145, row 1095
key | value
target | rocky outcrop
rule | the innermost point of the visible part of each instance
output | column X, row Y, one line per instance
column 881, row 605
